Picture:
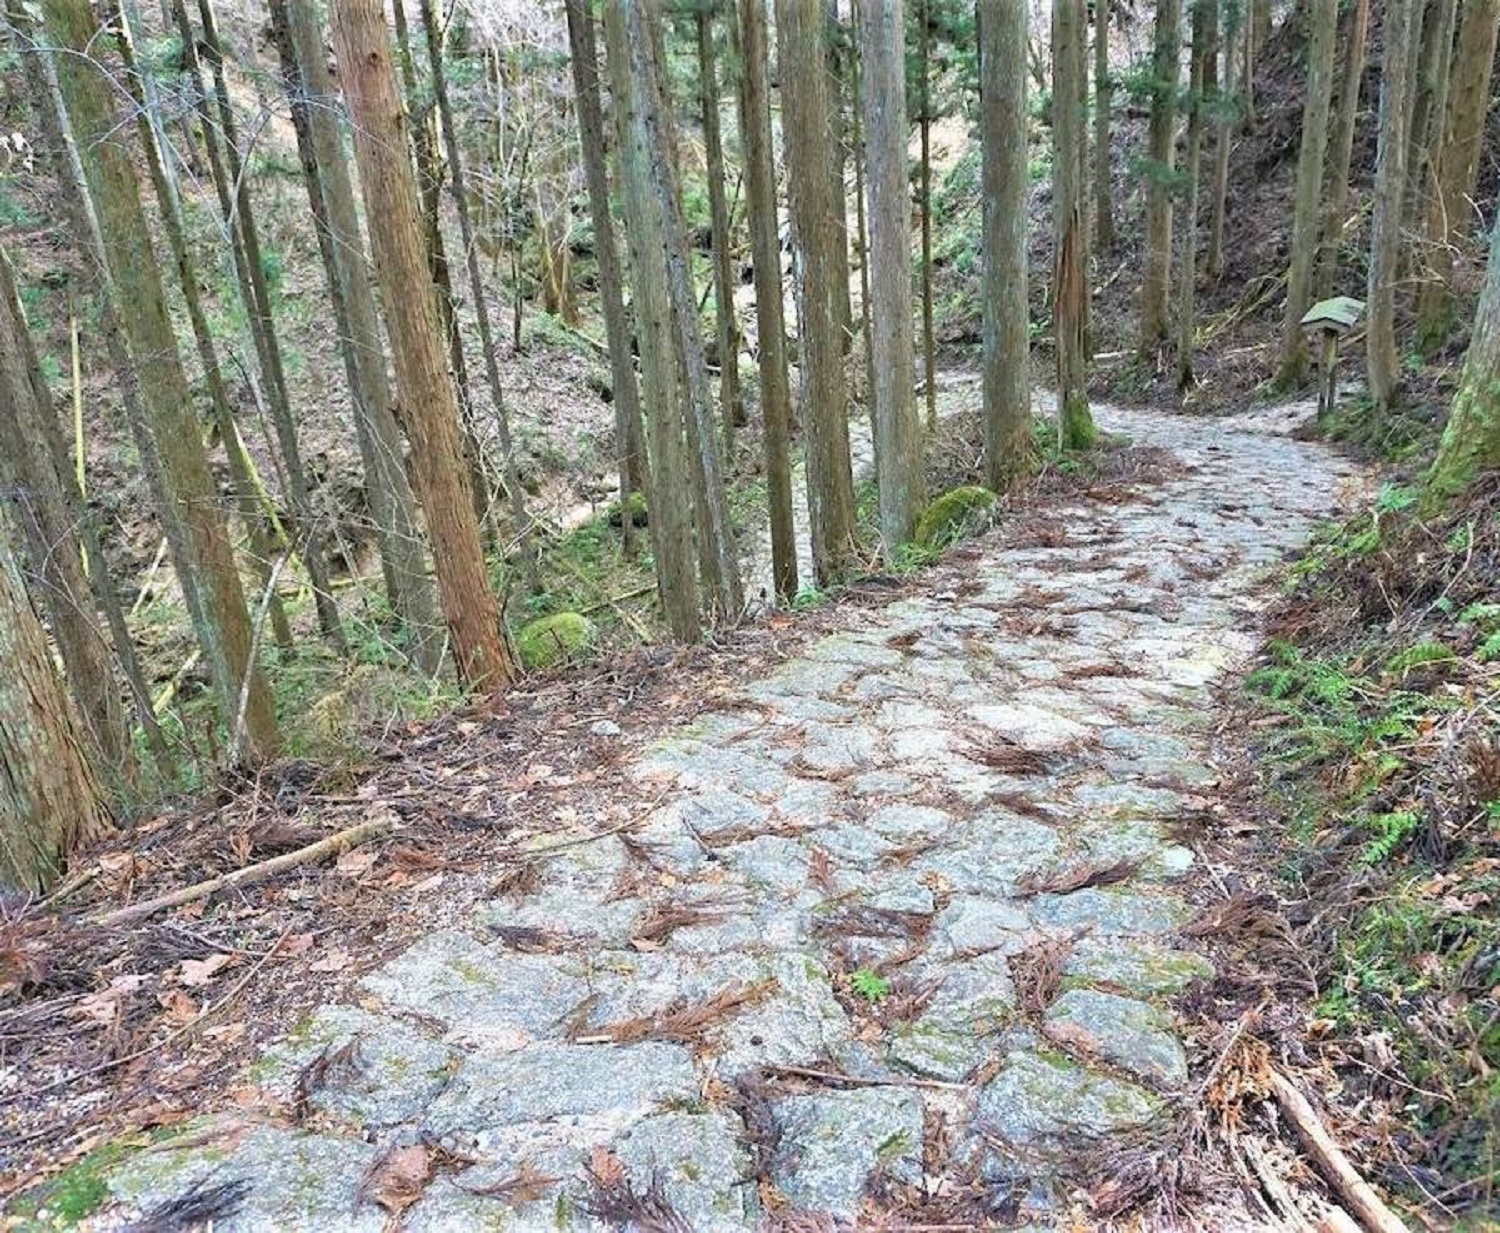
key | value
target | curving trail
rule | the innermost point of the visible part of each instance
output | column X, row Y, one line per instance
column 926, row 796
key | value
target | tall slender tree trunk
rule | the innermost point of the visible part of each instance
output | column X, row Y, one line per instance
column 630, row 447
column 1307, row 215
column 770, row 325
column 672, row 508
column 47, row 516
column 1383, row 361
column 430, row 190
column 1471, row 441
column 264, row 548
column 1230, row 33
column 1204, row 23
column 1007, row 316
column 196, row 530
column 459, row 186
column 1155, row 320
column 924, row 76
column 40, row 75
column 1429, row 101
column 49, row 797
column 862, row 228
column 654, row 116
column 274, row 370
column 1070, row 279
column 809, row 139
column 732, row 405
column 362, row 42
column 898, row 452
column 315, row 110
column 1450, row 209
column 1104, row 91
column 1341, row 147
column 835, row 64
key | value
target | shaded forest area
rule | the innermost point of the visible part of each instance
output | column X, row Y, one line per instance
column 395, row 400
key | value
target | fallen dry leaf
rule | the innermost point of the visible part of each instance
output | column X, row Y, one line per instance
column 295, row 944
column 179, row 1006
column 356, row 864
column 198, row 972
column 103, row 1007
column 396, row 1180
column 333, row 961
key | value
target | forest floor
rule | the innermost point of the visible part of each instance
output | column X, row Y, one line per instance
column 897, row 910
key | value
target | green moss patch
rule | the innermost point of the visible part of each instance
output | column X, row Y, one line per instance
column 556, row 639
column 953, row 514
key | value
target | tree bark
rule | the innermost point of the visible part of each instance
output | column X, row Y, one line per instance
column 1471, row 441
column 49, row 798
column 1104, row 91
column 817, row 212
column 430, row 195
column 1307, row 215
column 41, row 79
column 1204, row 35
column 315, row 110
column 199, row 538
column 391, row 204
column 1341, row 148
column 731, row 402
column 1007, row 314
column 1451, row 209
column 1429, row 101
column 630, row 449
column 272, row 366
column 264, row 548
column 47, row 513
column 654, row 117
column 1230, row 34
column 770, row 324
column 1383, row 361
column 1155, row 321
column 861, row 222
column 1069, row 285
column 924, row 71
column 460, row 192
column 671, row 509
column 898, row 437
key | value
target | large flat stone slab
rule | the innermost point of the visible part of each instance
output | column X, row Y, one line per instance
column 485, row 996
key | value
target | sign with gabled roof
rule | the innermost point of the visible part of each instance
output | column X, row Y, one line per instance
column 1338, row 315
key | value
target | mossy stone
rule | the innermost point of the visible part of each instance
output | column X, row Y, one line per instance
column 946, row 517
column 635, row 503
column 555, row 639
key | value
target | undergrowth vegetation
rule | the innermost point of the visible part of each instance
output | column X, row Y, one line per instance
column 1380, row 689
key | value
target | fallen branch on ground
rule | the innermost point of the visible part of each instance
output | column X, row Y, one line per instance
column 1353, row 1189
column 334, row 845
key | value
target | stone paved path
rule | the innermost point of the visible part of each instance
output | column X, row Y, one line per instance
column 908, row 798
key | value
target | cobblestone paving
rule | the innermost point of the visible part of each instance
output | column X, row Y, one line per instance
column 911, row 799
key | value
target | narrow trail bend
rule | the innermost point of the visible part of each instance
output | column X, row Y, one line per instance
column 862, row 866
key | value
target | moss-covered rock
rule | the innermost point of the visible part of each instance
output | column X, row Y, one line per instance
column 555, row 639
column 636, row 503
column 946, row 518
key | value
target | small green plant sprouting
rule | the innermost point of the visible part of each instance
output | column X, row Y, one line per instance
column 1391, row 831
column 808, row 597
column 869, row 984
